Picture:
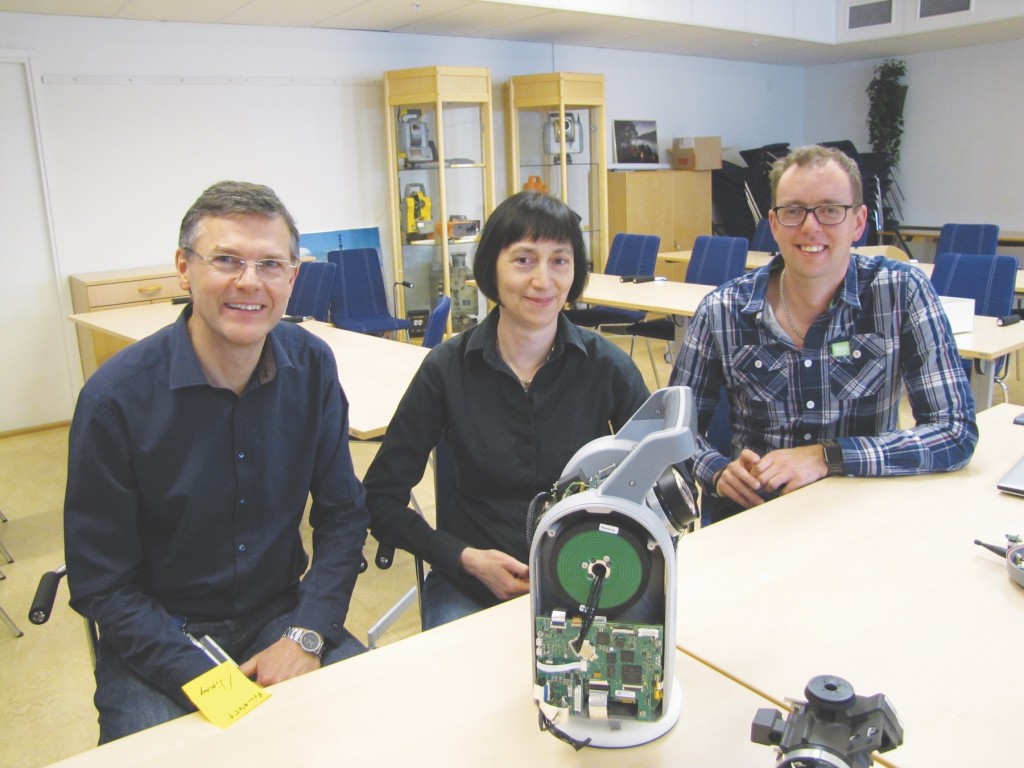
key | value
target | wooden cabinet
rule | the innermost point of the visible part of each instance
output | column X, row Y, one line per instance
column 675, row 205
column 109, row 290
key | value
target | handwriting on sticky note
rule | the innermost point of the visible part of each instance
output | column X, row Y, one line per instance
column 224, row 695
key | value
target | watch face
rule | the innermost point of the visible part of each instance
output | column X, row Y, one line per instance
column 310, row 642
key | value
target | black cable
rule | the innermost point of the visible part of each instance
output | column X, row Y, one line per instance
column 546, row 725
column 590, row 609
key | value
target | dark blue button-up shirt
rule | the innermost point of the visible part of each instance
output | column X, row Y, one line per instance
column 885, row 330
column 184, row 501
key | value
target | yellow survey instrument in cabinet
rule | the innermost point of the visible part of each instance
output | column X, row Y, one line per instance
column 416, row 219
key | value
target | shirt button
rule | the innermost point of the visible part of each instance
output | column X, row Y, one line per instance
column 807, row 437
column 243, row 502
column 758, row 364
column 241, row 547
column 810, row 404
column 808, row 363
column 241, row 454
column 856, row 354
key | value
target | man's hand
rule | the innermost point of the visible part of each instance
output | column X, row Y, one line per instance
column 283, row 660
column 787, row 469
column 505, row 576
column 737, row 481
column 783, row 470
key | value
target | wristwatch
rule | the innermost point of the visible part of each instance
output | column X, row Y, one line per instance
column 833, row 457
column 308, row 640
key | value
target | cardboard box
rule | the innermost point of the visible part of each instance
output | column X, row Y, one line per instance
column 960, row 313
column 697, row 153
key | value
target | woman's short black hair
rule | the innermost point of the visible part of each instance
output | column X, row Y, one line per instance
column 529, row 216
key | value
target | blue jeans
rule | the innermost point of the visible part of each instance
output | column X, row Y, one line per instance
column 127, row 703
column 444, row 600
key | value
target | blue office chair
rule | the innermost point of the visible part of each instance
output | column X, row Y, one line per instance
column 630, row 255
column 967, row 238
column 311, row 294
column 714, row 260
column 763, row 239
column 986, row 278
column 359, row 302
column 433, row 333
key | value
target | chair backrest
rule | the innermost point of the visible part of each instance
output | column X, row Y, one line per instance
column 632, row 255
column 986, row 278
column 763, row 239
column 311, row 294
column 436, row 323
column 359, row 285
column 715, row 260
column 968, row 238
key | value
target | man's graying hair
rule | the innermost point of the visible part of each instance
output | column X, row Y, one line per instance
column 812, row 156
column 236, row 198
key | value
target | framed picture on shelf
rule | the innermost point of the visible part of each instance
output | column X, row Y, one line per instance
column 636, row 141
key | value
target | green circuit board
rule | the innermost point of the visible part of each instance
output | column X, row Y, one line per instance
column 623, row 678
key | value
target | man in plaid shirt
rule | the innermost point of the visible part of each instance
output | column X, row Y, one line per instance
column 814, row 349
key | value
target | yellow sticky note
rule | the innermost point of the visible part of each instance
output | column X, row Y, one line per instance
column 224, row 694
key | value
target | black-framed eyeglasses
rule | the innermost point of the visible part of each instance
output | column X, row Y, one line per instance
column 794, row 215
column 267, row 270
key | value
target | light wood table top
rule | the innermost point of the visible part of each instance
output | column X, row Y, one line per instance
column 666, row 297
column 374, row 372
column 458, row 695
column 876, row 580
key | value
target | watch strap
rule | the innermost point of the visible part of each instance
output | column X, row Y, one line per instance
column 309, row 640
column 833, row 456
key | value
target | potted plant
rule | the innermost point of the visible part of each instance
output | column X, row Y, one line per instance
column 887, row 93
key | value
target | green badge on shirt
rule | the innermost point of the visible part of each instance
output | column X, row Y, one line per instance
column 841, row 349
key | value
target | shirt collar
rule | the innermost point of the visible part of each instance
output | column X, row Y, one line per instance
column 485, row 340
column 187, row 371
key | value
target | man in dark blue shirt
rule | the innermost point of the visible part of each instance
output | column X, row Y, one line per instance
column 192, row 455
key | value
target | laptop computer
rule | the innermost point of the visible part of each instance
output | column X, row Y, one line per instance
column 1013, row 481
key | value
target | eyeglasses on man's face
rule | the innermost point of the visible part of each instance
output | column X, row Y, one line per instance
column 794, row 215
column 267, row 270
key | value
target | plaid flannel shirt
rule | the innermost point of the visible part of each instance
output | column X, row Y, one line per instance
column 885, row 328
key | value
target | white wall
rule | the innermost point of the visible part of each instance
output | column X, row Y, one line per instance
column 962, row 156
column 301, row 110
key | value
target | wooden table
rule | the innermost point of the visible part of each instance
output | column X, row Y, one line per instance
column 877, row 581
column 458, row 695
column 373, row 371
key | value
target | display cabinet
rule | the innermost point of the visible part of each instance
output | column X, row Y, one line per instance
column 557, row 141
column 441, row 182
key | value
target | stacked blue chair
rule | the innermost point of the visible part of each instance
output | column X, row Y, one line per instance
column 311, row 294
column 763, row 239
column 987, row 278
column 359, row 302
column 714, row 260
column 967, row 238
column 630, row 255
column 433, row 332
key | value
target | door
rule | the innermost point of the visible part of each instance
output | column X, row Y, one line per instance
column 37, row 385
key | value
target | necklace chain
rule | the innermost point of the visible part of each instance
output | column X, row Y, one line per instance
column 785, row 306
column 524, row 383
